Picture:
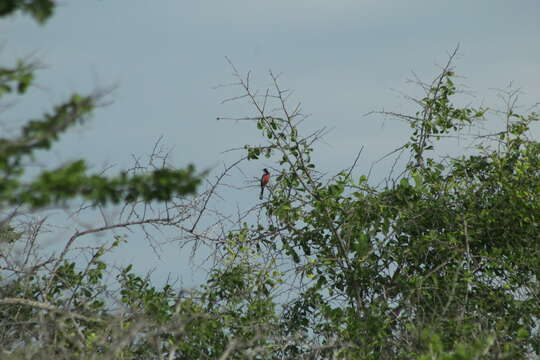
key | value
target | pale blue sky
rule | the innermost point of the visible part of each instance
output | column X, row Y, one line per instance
column 342, row 58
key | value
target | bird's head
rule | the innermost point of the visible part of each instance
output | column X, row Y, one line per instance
column 266, row 171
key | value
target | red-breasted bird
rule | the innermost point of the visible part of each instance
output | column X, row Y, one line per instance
column 264, row 181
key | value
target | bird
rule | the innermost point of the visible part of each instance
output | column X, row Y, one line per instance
column 264, row 181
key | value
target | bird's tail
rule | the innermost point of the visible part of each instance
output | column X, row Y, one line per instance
column 262, row 191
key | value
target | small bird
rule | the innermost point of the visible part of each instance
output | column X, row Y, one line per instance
column 264, row 181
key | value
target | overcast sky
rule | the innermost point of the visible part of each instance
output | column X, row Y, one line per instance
column 342, row 58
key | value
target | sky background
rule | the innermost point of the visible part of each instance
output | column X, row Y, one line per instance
column 342, row 58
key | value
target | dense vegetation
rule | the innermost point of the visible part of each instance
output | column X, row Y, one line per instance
column 441, row 261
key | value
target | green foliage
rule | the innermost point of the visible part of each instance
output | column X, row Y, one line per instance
column 450, row 245
column 435, row 348
column 9, row 235
column 16, row 79
column 60, row 185
column 57, row 186
column 440, row 262
column 56, row 306
column 40, row 10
